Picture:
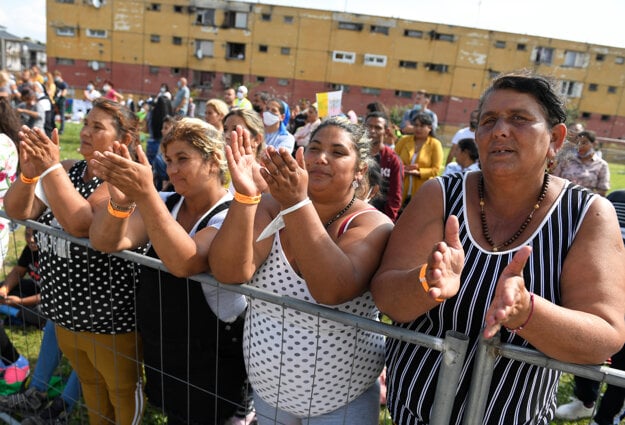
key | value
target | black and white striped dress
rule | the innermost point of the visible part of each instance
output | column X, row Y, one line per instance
column 519, row 393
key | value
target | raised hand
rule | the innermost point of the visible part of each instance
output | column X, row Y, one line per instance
column 244, row 170
column 445, row 263
column 511, row 305
column 37, row 151
column 287, row 177
column 128, row 180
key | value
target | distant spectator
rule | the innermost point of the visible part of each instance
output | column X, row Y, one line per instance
column 259, row 101
column 229, row 97
column 181, row 100
column 276, row 134
column 422, row 101
column 302, row 134
column 463, row 133
column 111, row 93
column 90, row 94
column 299, row 119
column 215, row 112
column 242, row 102
column 60, row 99
column 191, row 110
column 466, row 158
column 378, row 106
column 586, row 168
column 391, row 168
column 31, row 111
column 421, row 153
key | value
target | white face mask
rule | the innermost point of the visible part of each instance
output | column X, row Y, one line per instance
column 106, row 87
column 270, row 119
column 240, row 95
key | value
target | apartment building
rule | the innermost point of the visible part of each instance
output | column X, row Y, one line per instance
column 297, row 52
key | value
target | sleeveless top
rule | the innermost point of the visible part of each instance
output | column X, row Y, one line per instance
column 83, row 289
column 173, row 311
column 520, row 393
column 301, row 363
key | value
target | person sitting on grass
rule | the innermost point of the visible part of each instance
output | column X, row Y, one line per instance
column 19, row 295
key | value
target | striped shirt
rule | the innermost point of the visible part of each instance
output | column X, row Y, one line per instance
column 520, row 393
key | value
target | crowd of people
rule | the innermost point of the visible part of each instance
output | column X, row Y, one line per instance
column 500, row 238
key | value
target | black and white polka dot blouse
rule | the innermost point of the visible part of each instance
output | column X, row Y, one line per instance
column 83, row 289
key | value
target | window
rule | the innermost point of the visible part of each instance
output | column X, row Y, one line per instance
column 371, row 90
column 96, row 33
column 235, row 51
column 606, row 117
column 283, row 82
column 260, row 79
column 499, row 44
column 586, row 115
column 571, row 88
column 65, row 1
column 204, row 48
column 234, row 19
column 374, row 60
column 95, row 65
column 263, row 48
column 521, row 47
column 379, row 29
column 154, row 70
column 288, row 19
column 542, row 55
column 600, row 57
column 177, row 41
column 612, row 89
column 408, row 64
column 413, row 33
column 619, row 60
column 205, row 17
column 442, row 37
column 154, row 7
column 592, row 87
column 64, row 61
column 337, row 87
column 346, row 57
column 155, row 38
column 403, row 94
column 178, row 8
column 575, row 59
column 352, row 26
column 175, row 71
column 203, row 78
column 285, row 51
column 265, row 17
column 437, row 67
column 66, row 31
column 492, row 74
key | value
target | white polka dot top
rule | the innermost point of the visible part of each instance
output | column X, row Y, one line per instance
column 298, row 362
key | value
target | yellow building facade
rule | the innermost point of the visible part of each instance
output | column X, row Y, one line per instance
column 294, row 53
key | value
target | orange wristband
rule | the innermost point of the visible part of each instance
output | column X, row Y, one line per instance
column 424, row 282
column 26, row 180
column 115, row 212
column 245, row 199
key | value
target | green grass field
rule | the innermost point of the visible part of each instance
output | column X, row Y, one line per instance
column 27, row 340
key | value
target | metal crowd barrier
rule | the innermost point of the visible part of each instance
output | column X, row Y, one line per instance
column 453, row 346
